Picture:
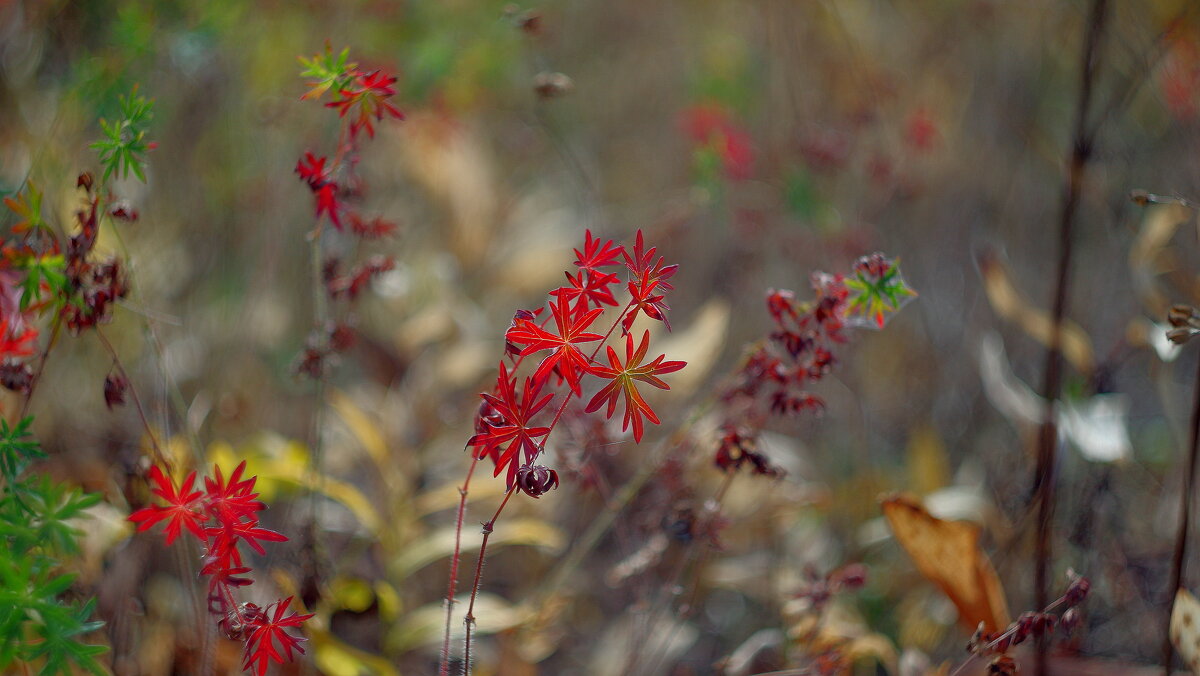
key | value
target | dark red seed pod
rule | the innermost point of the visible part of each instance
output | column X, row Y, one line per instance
column 114, row 390
column 1077, row 591
column 16, row 376
column 536, row 480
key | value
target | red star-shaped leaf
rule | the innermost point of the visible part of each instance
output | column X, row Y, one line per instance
column 268, row 629
column 512, row 432
column 565, row 355
column 623, row 381
column 597, row 254
column 183, row 507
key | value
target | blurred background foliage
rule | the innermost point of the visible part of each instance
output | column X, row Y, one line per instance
column 754, row 143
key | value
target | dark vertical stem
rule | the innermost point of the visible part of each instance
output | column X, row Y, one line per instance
column 1185, row 512
column 1081, row 150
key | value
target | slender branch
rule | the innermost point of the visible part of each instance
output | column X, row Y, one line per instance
column 1179, row 561
column 1052, row 384
column 137, row 401
column 55, row 330
column 469, row 620
column 444, row 666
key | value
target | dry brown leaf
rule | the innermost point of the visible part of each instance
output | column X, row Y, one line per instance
column 1146, row 256
column 947, row 553
column 1008, row 302
column 1185, row 628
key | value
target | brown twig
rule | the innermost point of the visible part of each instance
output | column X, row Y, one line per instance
column 1185, row 509
column 1081, row 151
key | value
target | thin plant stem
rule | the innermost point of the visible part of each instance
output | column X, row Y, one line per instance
column 444, row 666
column 137, row 401
column 55, row 331
column 1179, row 561
column 691, row 563
column 469, row 620
column 1052, row 384
column 489, row 526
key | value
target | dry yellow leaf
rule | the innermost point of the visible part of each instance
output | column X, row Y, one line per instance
column 1011, row 305
column 1185, row 628
column 947, row 553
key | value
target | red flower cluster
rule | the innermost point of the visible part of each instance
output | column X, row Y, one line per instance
column 505, row 427
column 360, row 98
column 711, row 127
column 222, row 517
column 775, row 376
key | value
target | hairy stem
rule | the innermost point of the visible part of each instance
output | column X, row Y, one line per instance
column 444, row 665
column 469, row 620
column 1052, row 384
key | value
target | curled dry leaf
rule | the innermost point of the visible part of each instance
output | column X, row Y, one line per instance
column 1185, row 628
column 1008, row 302
column 947, row 553
column 1149, row 256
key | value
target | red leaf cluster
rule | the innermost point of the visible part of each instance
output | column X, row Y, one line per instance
column 505, row 427
column 361, row 99
column 222, row 517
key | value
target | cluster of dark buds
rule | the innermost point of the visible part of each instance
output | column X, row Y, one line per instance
column 505, row 427
column 40, row 274
column 361, row 98
column 775, row 376
column 1185, row 323
column 739, row 447
column 92, row 285
column 995, row 645
column 222, row 517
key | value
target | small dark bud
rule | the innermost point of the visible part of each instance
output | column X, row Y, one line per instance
column 114, row 390
column 85, row 181
column 341, row 338
column 536, row 480
column 1078, row 590
column 852, row 576
column 16, row 376
column 1003, row 665
column 122, row 211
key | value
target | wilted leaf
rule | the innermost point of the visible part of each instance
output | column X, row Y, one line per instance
column 1011, row 305
column 361, row 426
column 440, row 543
column 1145, row 255
column 1097, row 426
column 1185, row 628
column 337, row 658
column 947, row 553
column 699, row 345
column 424, row 626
